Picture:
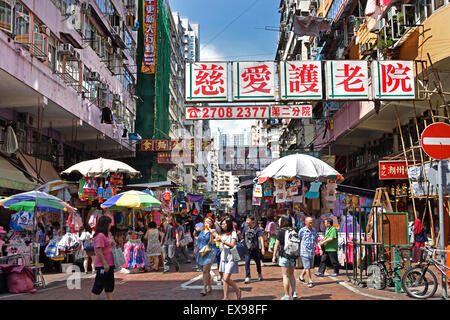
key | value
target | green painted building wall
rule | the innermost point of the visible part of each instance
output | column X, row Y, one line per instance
column 152, row 109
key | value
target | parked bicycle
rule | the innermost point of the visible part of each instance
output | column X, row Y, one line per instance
column 380, row 276
column 420, row 282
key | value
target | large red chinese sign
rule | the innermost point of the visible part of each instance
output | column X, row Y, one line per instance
column 347, row 79
column 253, row 80
column 149, row 26
column 392, row 170
column 222, row 113
column 301, row 80
column 206, row 81
column 393, row 80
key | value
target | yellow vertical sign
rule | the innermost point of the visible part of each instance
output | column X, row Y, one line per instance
column 150, row 10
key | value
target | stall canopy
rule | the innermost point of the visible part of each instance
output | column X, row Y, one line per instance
column 356, row 191
column 13, row 178
column 158, row 184
column 46, row 170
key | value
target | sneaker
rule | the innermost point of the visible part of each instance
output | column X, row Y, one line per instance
column 260, row 277
column 285, row 298
column 219, row 278
column 335, row 274
column 318, row 274
column 301, row 280
column 294, row 295
column 310, row 285
column 247, row 280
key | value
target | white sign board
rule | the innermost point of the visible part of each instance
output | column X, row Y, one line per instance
column 253, row 81
column 347, row 80
column 206, row 81
column 393, row 80
column 301, row 80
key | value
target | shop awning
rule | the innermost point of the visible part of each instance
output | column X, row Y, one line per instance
column 157, row 184
column 46, row 170
column 355, row 190
column 13, row 178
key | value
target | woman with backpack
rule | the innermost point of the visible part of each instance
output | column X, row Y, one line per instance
column 287, row 248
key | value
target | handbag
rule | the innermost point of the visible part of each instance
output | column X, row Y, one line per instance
column 119, row 258
column 235, row 254
column 184, row 242
column 205, row 250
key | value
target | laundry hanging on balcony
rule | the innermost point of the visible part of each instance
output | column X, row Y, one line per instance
column 11, row 144
column 310, row 26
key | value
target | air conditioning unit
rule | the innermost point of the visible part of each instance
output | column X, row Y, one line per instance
column 66, row 49
column 94, row 76
column 116, row 97
column 76, row 55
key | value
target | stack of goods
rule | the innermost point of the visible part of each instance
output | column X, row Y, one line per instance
column 100, row 189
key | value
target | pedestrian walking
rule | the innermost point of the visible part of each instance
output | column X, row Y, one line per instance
column 328, row 249
column 182, row 249
column 170, row 241
column 284, row 249
column 104, row 259
column 87, row 242
column 154, row 249
column 308, row 239
column 228, row 239
column 253, row 239
column 207, row 252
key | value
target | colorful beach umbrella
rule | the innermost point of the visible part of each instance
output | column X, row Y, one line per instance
column 131, row 199
column 31, row 200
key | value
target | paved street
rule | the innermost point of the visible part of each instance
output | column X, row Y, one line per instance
column 186, row 285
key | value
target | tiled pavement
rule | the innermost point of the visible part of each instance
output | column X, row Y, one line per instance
column 175, row 286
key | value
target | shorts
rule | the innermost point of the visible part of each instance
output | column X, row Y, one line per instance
column 103, row 281
column 308, row 262
column 285, row 262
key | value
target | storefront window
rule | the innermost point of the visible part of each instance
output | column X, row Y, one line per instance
column 5, row 15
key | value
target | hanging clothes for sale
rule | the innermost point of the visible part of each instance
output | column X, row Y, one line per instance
column 267, row 190
column 279, row 186
column 313, row 191
column 134, row 253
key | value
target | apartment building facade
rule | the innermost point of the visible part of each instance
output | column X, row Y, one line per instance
column 64, row 65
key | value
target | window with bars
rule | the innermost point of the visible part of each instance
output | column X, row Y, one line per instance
column 22, row 26
column 6, row 14
column 52, row 53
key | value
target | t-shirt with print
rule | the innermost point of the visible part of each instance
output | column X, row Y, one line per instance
column 333, row 245
column 169, row 231
column 101, row 241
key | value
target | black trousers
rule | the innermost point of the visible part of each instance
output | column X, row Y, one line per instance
column 332, row 256
column 255, row 255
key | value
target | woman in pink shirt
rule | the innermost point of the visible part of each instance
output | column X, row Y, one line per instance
column 104, row 259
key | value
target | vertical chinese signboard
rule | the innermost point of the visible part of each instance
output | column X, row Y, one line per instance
column 301, row 80
column 347, row 80
column 150, row 37
column 393, row 80
column 253, row 80
column 206, row 81
column 392, row 170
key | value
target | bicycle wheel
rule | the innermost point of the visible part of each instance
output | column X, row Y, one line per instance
column 418, row 284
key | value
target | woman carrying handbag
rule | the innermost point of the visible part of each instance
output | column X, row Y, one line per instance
column 206, row 253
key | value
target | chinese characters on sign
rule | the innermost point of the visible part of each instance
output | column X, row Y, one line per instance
column 392, row 170
column 347, row 80
column 180, row 144
column 253, row 80
column 393, row 79
column 301, row 80
column 254, row 112
column 288, row 112
column 207, row 81
column 150, row 36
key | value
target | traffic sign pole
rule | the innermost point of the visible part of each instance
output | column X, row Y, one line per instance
column 442, row 228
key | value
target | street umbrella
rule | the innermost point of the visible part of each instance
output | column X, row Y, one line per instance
column 54, row 185
column 300, row 166
column 131, row 199
column 32, row 201
column 99, row 167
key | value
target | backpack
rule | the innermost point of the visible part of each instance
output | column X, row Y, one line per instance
column 291, row 244
column 251, row 239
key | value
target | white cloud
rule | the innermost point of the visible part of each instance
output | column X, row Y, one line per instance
column 209, row 53
column 231, row 126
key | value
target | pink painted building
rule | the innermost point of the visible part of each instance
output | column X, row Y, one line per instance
column 66, row 69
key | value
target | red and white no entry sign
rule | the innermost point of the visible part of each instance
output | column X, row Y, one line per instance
column 436, row 140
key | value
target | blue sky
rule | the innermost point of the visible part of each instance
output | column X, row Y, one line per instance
column 242, row 40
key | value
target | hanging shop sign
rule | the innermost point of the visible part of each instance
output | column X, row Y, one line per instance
column 150, row 9
column 347, row 80
column 223, row 113
column 179, row 144
column 392, row 170
column 301, row 80
column 175, row 157
column 254, row 80
column 207, row 81
column 291, row 112
column 393, row 80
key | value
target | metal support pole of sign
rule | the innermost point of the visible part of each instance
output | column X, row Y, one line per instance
column 441, row 227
